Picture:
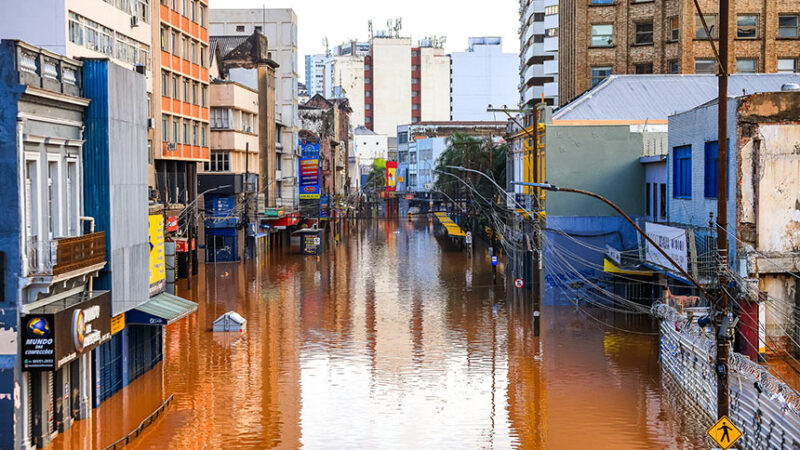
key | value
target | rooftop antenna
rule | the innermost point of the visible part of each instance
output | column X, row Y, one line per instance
column 371, row 33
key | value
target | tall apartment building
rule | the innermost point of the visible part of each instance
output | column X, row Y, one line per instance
column 538, row 51
column 601, row 37
column 344, row 78
column 405, row 84
column 315, row 74
column 481, row 76
column 280, row 28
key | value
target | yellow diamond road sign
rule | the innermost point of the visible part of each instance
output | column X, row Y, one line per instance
column 724, row 433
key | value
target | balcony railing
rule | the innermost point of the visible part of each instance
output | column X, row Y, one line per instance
column 65, row 255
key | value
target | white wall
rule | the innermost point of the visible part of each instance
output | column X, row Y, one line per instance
column 391, row 65
column 434, row 85
column 481, row 77
column 371, row 146
column 348, row 73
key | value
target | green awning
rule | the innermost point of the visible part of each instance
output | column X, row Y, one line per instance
column 163, row 309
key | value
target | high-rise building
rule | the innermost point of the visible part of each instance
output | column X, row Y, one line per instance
column 280, row 28
column 344, row 78
column 538, row 73
column 315, row 74
column 601, row 37
column 482, row 76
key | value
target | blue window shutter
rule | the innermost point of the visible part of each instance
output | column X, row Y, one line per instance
column 711, row 169
column 682, row 172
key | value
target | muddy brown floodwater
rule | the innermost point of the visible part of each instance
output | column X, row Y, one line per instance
column 390, row 341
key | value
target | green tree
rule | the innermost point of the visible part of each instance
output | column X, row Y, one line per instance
column 376, row 180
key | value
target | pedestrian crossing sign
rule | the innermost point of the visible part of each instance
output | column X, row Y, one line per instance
column 724, row 433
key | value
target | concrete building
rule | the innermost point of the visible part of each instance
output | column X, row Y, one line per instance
column 370, row 145
column 763, row 179
column 345, row 79
column 481, row 76
column 610, row 141
column 280, row 28
column 601, row 38
column 180, row 135
column 315, row 74
column 537, row 53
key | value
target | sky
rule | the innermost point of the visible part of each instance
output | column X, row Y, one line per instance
column 344, row 20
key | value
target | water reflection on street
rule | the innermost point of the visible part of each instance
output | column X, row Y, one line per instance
column 391, row 341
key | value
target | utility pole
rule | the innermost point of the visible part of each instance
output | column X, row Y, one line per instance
column 246, row 183
column 721, row 310
column 538, row 225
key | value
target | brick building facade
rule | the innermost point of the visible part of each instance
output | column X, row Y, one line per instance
column 603, row 37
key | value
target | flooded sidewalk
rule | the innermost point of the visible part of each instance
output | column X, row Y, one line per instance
column 390, row 341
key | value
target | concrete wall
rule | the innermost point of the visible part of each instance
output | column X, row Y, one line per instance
column 600, row 158
column 237, row 98
column 348, row 72
column 434, row 84
column 482, row 76
column 696, row 127
column 391, row 81
column 371, row 146
column 127, row 134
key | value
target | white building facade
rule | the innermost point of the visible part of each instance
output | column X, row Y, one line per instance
column 480, row 76
column 538, row 54
column 315, row 74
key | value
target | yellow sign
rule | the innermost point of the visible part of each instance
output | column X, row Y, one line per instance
column 724, row 433
column 117, row 323
column 400, row 179
column 158, row 273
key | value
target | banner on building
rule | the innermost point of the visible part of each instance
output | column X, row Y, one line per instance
column 323, row 207
column 157, row 265
column 391, row 173
column 309, row 170
column 172, row 224
column 672, row 240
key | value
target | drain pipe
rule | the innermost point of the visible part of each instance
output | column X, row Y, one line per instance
column 91, row 230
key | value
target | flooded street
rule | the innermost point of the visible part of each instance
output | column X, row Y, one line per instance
column 403, row 345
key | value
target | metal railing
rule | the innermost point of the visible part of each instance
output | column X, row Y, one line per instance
column 64, row 255
column 142, row 425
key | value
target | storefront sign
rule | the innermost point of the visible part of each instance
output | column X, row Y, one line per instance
column 323, row 207
column 182, row 245
column 117, row 323
column 309, row 170
column 672, row 240
column 53, row 339
column 158, row 273
column 273, row 212
column 391, row 171
column 172, row 223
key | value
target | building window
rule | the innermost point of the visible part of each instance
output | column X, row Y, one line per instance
column 195, row 133
column 175, row 48
column 194, row 52
column 185, row 8
column 602, row 2
column 185, row 54
column 415, row 107
column 414, row 53
column 240, row 28
column 711, row 21
column 186, row 90
column 551, row 32
column 258, row 28
column 415, row 81
column 218, row 162
column 644, row 33
column 368, row 94
column 643, row 68
column 600, row 73
column 164, row 39
column 164, row 84
column 175, row 91
column 203, row 96
column 710, row 189
column 647, row 206
column 673, row 29
column 194, row 94
column 201, row 15
column 175, row 134
column 538, row 38
column 747, row 26
column 787, row 26
column 682, row 171
column 185, row 133
column 787, row 65
column 367, row 80
column 203, row 136
column 220, row 118
column 165, row 128
column 550, row 10
column 673, row 66
column 662, row 205
column 746, row 65
column 415, row 94
column 704, row 65
column 414, row 68
column 538, row 17
column 367, row 106
column 194, row 11
column 602, row 35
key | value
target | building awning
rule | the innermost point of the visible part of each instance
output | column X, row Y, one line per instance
column 452, row 228
column 610, row 267
column 163, row 309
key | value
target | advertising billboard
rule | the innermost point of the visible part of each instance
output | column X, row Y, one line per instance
column 672, row 240
column 391, row 178
column 309, row 170
column 157, row 267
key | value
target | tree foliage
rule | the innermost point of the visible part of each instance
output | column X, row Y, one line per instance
column 376, row 180
column 473, row 153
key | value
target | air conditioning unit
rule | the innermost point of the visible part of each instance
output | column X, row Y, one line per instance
column 151, row 123
column 171, row 146
column 140, row 68
column 134, row 21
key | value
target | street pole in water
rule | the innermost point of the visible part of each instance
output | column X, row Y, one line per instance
column 721, row 310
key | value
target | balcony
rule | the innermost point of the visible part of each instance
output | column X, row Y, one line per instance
column 65, row 256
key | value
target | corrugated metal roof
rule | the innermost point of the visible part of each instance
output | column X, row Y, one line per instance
column 656, row 97
column 225, row 43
